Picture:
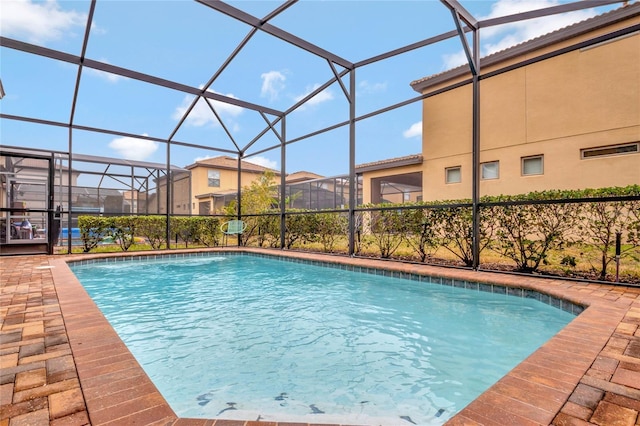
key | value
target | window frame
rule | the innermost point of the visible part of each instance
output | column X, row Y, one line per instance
column 211, row 179
column 482, row 168
column 532, row 157
column 446, row 175
column 609, row 147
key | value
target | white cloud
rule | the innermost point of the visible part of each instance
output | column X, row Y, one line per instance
column 262, row 161
column 511, row 34
column 205, row 157
column 133, row 148
column 272, row 84
column 454, row 60
column 415, row 131
column 38, row 22
column 368, row 88
column 111, row 78
column 495, row 39
column 324, row 96
column 201, row 114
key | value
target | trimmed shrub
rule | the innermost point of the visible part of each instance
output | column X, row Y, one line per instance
column 388, row 230
column 599, row 222
column 206, row 230
column 92, row 230
column 527, row 232
column 123, row 230
column 154, row 229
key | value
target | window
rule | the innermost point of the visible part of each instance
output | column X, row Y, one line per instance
column 627, row 148
column 453, row 174
column 533, row 165
column 490, row 170
column 204, row 208
column 214, row 178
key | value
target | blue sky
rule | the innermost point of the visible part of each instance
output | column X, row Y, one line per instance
column 187, row 42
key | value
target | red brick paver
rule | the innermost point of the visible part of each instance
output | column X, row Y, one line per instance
column 63, row 364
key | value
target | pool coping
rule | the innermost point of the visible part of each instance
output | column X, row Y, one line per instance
column 537, row 391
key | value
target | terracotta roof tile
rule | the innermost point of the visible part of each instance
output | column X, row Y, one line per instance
column 225, row 162
column 302, row 175
column 389, row 163
column 561, row 34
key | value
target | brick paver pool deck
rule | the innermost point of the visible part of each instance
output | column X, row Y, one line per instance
column 63, row 364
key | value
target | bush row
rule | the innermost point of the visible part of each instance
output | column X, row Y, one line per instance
column 122, row 230
column 300, row 227
column 522, row 228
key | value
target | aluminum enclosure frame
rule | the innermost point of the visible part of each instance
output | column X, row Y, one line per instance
column 463, row 21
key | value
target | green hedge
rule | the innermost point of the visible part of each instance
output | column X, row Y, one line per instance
column 123, row 230
column 524, row 228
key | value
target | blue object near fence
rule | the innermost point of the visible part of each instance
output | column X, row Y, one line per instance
column 75, row 233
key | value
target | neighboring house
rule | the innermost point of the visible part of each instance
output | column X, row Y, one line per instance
column 214, row 182
column 301, row 176
column 570, row 121
column 156, row 200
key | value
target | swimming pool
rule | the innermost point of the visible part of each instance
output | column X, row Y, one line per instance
column 289, row 341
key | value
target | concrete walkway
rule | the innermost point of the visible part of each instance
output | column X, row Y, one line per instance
column 63, row 364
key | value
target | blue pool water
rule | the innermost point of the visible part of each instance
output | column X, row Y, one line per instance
column 247, row 337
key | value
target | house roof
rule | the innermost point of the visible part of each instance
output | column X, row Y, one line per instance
column 302, row 176
column 623, row 13
column 389, row 163
column 229, row 163
column 217, row 194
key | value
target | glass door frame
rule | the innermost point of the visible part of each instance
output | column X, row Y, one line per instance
column 9, row 213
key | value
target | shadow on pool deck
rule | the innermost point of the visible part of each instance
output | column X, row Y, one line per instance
column 63, row 364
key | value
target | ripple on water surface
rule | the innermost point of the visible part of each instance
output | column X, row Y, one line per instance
column 246, row 337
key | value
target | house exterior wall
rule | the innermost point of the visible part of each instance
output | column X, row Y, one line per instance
column 586, row 98
column 181, row 194
column 157, row 203
column 228, row 181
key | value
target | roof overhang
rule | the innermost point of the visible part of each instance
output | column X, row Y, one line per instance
column 555, row 37
column 390, row 164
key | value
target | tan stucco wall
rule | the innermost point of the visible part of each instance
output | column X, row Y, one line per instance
column 583, row 99
column 180, row 198
column 228, row 181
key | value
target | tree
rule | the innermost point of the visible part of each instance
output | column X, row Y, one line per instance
column 259, row 197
